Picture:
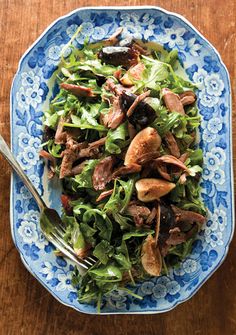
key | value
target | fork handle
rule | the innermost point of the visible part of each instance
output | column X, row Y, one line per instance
column 7, row 154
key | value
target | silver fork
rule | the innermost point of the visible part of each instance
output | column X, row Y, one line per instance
column 50, row 223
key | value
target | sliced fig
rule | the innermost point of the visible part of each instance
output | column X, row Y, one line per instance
column 151, row 257
column 150, row 189
column 146, row 141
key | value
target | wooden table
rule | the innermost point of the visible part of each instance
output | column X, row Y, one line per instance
column 25, row 306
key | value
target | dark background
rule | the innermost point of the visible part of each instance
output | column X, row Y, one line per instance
column 25, row 306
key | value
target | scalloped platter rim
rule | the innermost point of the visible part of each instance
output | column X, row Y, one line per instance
column 30, row 93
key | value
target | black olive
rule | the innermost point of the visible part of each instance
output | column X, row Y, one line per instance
column 118, row 56
column 142, row 115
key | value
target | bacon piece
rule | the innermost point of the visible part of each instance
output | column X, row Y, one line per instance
column 102, row 174
column 60, row 136
column 191, row 217
column 115, row 116
column 104, row 194
column 76, row 169
column 126, row 169
column 91, row 149
column 172, row 101
column 69, row 156
column 172, row 144
column 98, row 143
column 136, row 102
column 88, row 152
column 187, row 98
column 77, row 90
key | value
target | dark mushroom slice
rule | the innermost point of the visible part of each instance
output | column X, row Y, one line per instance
column 117, row 55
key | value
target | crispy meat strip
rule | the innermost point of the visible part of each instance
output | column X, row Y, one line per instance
column 69, row 156
column 187, row 216
column 139, row 213
column 49, row 157
column 176, row 238
column 52, row 160
column 115, row 116
column 102, row 174
column 172, row 144
column 61, row 135
column 104, row 194
column 127, row 169
column 187, row 98
column 169, row 159
column 172, row 101
column 79, row 91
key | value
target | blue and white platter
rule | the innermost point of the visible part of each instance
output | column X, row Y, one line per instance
column 31, row 91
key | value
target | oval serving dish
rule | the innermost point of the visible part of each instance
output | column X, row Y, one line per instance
column 31, row 90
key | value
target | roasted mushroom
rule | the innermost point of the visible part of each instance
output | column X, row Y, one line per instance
column 146, row 141
column 151, row 257
column 149, row 189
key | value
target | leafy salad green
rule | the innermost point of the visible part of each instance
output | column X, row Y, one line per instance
column 121, row 135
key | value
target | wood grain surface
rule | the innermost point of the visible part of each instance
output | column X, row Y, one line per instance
column 25, row 306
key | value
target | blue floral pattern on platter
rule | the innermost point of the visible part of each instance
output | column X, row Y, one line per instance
column 31, row 91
